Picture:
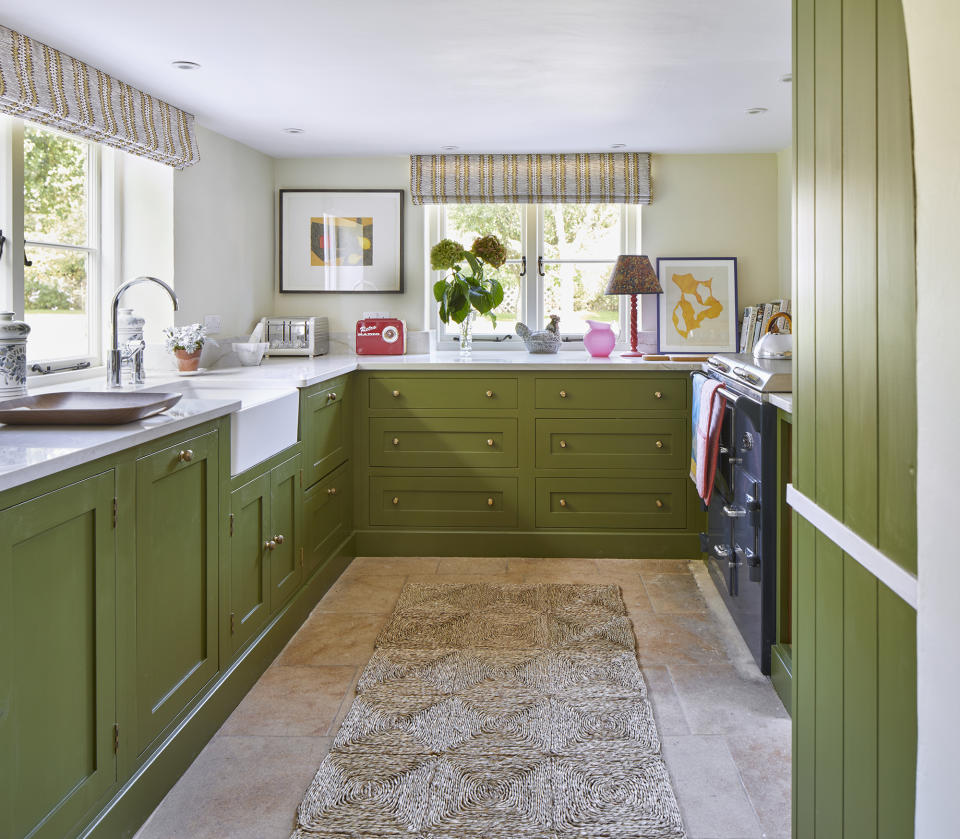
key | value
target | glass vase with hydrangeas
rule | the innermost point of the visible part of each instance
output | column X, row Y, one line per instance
column 465, row 292
column 185, row 342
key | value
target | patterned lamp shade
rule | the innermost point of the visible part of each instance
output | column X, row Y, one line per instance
column 633, row 274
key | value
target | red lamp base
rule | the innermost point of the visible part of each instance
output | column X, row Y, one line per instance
column 633, row 353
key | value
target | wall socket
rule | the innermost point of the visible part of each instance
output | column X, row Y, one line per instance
column 212, row 323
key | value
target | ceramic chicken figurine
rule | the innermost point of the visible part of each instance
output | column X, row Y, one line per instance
column 543, row 341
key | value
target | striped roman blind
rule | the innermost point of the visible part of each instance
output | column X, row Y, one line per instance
column 620, row 178
column 47, row 86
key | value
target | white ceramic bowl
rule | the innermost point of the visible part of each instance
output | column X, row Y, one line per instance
column 250, row 355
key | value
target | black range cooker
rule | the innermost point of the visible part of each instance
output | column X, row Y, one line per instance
column 741, row 538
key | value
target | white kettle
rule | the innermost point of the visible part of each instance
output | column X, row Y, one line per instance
column 775, row 344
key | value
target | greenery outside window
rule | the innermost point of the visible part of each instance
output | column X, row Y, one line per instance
column 559, row 257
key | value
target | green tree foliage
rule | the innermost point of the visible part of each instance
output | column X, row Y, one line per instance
column 55, row 210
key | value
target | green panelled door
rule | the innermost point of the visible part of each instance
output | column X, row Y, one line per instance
column 177, row 580
column 57, row 659
column 324, row 429
column 854, row 658
column 249, row 561
column 286, row 510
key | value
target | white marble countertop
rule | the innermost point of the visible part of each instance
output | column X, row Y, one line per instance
column 784, row 401
column 29, row 453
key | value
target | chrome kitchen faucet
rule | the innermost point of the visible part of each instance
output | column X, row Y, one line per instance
column 115, row 357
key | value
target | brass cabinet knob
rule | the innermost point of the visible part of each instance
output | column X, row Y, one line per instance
column 563, row 444
column 563, row 502
column 396, row 394
column 278, row 538
column 489, row 441
column 331, row 396
column 659, row 503
column 489, row 502
column 396, row 441
column 659, row 444
column 269, row 546
column 658, row 394
column 396, row 500
column 489, row 394
column 185, row 456
column 332, row 491
column 563, row 394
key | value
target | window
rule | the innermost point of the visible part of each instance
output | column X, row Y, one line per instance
column 559, row 258
column 56, row 284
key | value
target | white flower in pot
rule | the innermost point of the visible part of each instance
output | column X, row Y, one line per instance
column 185, row 342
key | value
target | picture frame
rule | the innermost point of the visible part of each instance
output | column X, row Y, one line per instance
column 697, row 311
column 341, row 241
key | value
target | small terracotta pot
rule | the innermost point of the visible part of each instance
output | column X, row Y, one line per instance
column 187, row 361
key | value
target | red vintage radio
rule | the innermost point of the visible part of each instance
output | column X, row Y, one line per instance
column 381, row 336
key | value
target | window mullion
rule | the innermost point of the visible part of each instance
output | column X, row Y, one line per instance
column 533, row 246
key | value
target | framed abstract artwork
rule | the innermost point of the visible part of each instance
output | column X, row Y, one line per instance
column 697, row 312
column 341, row 241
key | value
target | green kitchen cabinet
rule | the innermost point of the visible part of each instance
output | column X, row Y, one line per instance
column 612, row 503
column 324, row 428
column 612, row 393
column 57, row 659
column 285, row 533
column 483, row 442
column 441, row 392
column 612, row 443
column 327, row 517
column 475, row 501
column 249, row 560
column 177, row 580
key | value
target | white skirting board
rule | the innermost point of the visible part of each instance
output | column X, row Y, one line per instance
column 898, row 580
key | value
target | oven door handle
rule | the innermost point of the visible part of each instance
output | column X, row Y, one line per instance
column 729, row 395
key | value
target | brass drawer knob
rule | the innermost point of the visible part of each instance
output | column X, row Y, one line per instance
column 659, row 503
column 659, row 444
column 278, row 538
column 331, row 396
column 396, row 394
column 489, row 502
column 563, row 444
column 563, row 502
column 658, row 394
column 489, row 394
column 185, row 456
column 396, row 441
column 563, row 394
column 269, row 546
column 396, row 500
column 489, row 441
column 332, row 491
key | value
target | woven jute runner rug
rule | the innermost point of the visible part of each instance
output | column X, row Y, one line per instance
column 497, row 712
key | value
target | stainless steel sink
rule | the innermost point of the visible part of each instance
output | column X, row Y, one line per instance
column 84, row 408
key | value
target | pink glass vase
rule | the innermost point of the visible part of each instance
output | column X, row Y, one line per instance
column 599, row 340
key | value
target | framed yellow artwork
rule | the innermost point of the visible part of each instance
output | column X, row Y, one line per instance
column 697, row 312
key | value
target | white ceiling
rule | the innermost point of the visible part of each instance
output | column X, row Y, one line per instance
column 408, row 76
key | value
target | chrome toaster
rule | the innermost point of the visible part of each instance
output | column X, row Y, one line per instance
column 296, row 335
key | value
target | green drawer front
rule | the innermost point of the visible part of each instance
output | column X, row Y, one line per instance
column 441, row 393
column 617, row 503
column 327, row 517
column 637, row 393
column 443, row 441
column 468, row 502
column 612, row 443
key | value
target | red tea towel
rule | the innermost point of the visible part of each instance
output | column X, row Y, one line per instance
column 708, row 406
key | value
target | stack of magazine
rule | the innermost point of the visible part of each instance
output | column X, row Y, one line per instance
column 756, row 319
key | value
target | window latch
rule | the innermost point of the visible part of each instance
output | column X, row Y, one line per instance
column 27, row 262
column 523, row 259
column 540, row 266
column 3, row 239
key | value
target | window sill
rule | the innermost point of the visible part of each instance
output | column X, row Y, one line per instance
column 36, row 380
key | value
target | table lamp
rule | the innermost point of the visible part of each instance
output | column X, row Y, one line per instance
column 633, row 275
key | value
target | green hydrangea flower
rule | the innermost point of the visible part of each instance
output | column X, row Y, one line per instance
column 490, row 250
column 445, row 254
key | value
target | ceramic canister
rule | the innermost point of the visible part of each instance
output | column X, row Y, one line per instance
column 13, row 356
column 129, row 326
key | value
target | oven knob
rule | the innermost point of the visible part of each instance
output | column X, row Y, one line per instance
column 746, row 441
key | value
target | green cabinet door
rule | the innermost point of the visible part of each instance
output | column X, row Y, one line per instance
column 177, row 580
column 614, row 503
column 249, row 565
column 612, row 393
column 437, row 391
column 327, row 517
column 468, row 502
column 325, row 431
column 57, row 659
column 286, row 569
column 485, row 442
column 612, row 443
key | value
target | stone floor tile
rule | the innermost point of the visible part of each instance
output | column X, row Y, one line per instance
column 452, row 579
column 713, row 802
column 292, row 701
column 644, row 566
column 676, row 638
column 719, row 699
column 361, row 595
column 539, row 570
column 666, row 704
column 763, row 758
column 371, row 566
column 472, row 565
column 239, row 787
column 333, row 638
column 674, row 592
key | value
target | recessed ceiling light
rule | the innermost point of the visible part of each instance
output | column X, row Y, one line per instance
column 618, row 145
column 449, row 148
column 185, row 65
column 755, row 111
column 786, row 78
column 292, row 130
